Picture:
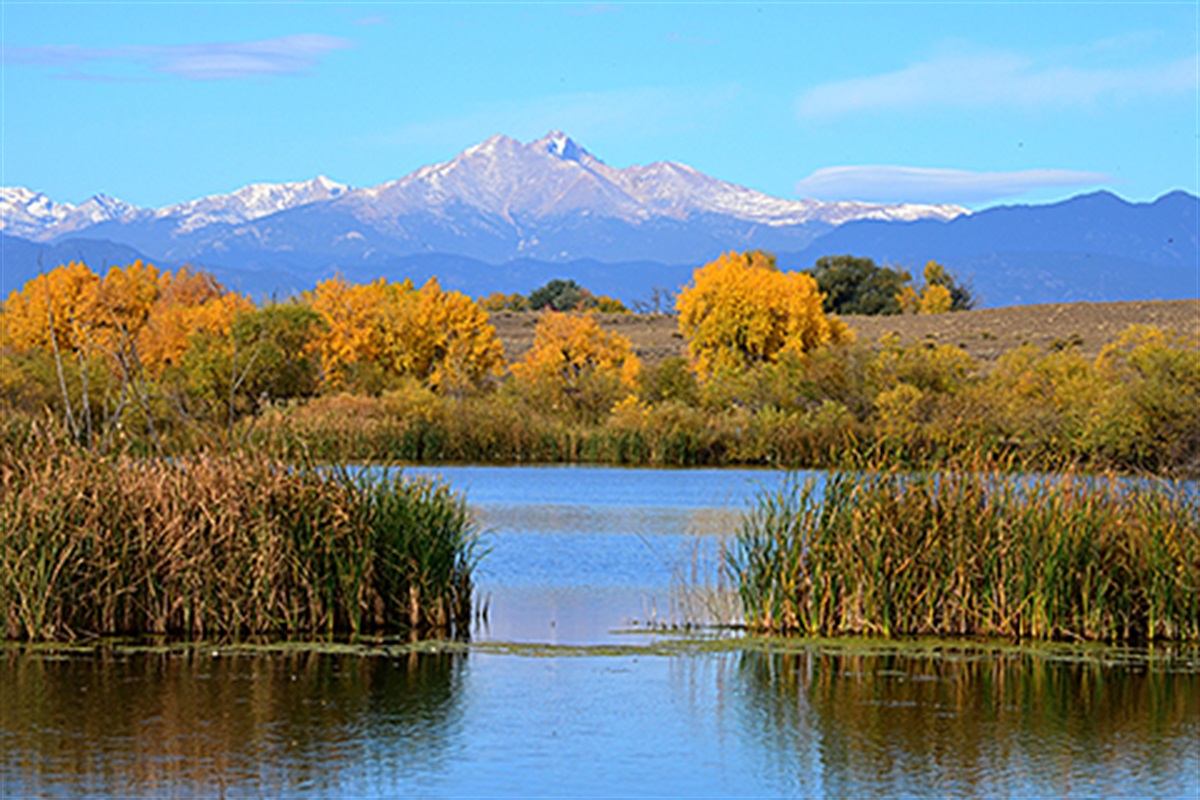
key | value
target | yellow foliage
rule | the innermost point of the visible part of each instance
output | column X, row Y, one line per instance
column 54, row 307
column 935, row 296
column 135, row 310
column 899, row 410
column 124, row 298
column 452, row 343
column 575, row 364
column 353, row 324
column 935, row 299
column 499, row 301
column 610, row 305
column 443, row 339
column 188, row 304
column 938, row 368
column 740, row 310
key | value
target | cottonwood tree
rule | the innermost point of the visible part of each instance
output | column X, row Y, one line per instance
column 940, row 294
column 376, row 333
column 740, row 311
column 577, row 368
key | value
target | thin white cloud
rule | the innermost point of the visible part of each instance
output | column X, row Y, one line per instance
column 284, row 55
column 918, row 184
column 995, row 79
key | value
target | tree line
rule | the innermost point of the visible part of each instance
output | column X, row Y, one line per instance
column 165, row 360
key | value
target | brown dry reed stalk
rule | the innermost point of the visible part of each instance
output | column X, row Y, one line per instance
column 1051, row 556
column 220, row 546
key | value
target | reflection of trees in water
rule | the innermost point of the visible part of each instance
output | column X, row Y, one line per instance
column 192, row 722
column 969, row 724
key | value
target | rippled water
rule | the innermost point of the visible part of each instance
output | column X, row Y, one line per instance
column 561, row 693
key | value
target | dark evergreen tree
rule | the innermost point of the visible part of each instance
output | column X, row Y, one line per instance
column 854, row 285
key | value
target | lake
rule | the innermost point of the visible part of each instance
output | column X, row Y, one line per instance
column 571, row 686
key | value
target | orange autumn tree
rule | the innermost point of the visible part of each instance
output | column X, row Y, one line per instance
column 577, row 368
column 191, row 309
column 136, row 312
column 48, row 352
column 741, row 311
column 111, row 339
column 53, row 310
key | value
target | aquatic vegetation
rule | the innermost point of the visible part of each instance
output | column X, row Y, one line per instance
column 222, row 545
column 973, row 553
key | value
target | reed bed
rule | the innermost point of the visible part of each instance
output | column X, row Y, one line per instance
column 228, row 545
column 973, row 553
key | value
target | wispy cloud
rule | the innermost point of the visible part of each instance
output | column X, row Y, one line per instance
column 284, row 55
column 917, row 184
column 635, row 112
column 996, row 79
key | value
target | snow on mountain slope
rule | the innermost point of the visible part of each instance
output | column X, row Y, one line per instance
column 249, row 203
column 33, row 215
column 555, row 176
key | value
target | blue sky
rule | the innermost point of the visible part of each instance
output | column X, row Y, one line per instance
column 975, row 103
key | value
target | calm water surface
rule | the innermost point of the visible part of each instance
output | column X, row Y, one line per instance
column 565, row 691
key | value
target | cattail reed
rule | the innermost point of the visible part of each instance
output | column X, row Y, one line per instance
column 205, row 545
column 973, row 553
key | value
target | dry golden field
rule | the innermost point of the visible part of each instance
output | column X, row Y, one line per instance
column 985, row 334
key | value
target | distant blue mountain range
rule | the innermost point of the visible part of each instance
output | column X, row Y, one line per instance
column 1091, row 247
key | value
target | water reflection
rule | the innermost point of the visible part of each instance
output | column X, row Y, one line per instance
column 191, row 723
column 849, row 724
column 574, row 574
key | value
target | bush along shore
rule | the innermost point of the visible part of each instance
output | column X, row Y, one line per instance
column 980, row 553
column 221, row 546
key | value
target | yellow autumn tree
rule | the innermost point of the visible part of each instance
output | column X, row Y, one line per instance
column 190, row 306
column 354, row 317
column 741, row 310
column 52, row 310
column 48, row 354
column 577, row 368
column 377, row 332
column 940, row 294
column 453, row 345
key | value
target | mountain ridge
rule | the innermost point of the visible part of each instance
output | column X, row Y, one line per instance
column 502, row 211
column 548, row 177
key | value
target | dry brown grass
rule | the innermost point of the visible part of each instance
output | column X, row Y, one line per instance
column 985, row 334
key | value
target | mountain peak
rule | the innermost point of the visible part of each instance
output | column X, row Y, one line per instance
column 559, row 145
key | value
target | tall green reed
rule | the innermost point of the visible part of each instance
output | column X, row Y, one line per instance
column 1055, row 556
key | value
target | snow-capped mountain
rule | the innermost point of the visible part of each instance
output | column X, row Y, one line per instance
column 508, row 215
column 555, row 176
column 548, row 198
column 34, row 216
column 250, row 203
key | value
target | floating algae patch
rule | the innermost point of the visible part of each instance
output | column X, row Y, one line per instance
column 1184, row 658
